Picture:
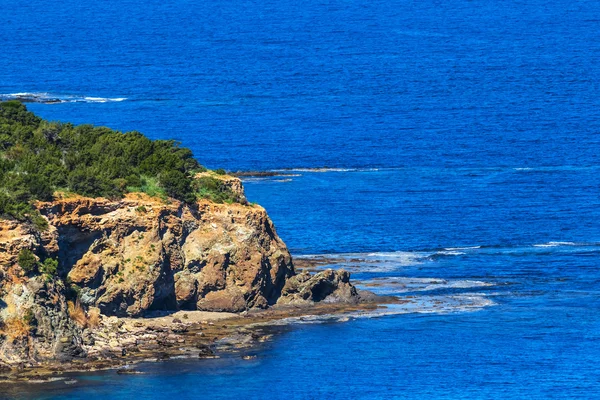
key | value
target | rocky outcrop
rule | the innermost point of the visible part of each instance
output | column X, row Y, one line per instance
column 35, row 324
column 228, row 182
column 138, row 254
column 34, row 320
column 128, row 257
column 327, row 286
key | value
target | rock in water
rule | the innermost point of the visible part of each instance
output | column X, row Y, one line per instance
column 328, row 286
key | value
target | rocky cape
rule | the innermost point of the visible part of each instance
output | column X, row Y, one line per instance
column 123, row 261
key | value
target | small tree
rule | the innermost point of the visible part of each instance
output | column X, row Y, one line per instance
column 27, row 261
column 49, row 267
column 177, row 185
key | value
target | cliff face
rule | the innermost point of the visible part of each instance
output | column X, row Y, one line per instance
column 135, row 255
column 34, row 318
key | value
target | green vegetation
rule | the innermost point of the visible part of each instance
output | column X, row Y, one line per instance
column 29, row 264
column 27, row 261
column 214, row 189
column 49, row 267
column 38, row 157
column 73, row 290
column 28, row 318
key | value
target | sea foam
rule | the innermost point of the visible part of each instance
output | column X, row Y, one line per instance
column 51, row 98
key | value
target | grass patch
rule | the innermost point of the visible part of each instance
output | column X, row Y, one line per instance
column 214, row 189
column 149, row 185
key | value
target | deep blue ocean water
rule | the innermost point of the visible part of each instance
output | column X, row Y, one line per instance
column 461, row 145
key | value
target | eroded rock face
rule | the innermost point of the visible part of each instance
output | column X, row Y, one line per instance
column 34, row 320
column 135, row 255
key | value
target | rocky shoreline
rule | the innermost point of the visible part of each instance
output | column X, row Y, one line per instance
column 121, row 343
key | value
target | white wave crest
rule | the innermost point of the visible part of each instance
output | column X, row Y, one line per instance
column 450, row 253
column 421, row 305
column 51, row 98
column 556, row 244
column 368, row 262
column 432, row 305
column 326, row 169
column 397, row 285
column 103, row 99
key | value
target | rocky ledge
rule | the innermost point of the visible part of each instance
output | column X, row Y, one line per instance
column 137, row 256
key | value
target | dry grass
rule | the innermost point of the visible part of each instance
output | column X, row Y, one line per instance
column 11, row 308
column 55, row 298
column 93, row 317
column 15, row 328
column 14, row 275
column 89, row 319
column 77, row 313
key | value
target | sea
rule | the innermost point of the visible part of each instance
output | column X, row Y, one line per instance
column 445, row 152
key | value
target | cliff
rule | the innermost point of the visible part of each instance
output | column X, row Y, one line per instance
column 128, row 257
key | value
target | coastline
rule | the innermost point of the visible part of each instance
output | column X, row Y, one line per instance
column 122, row 343
column 96, row 275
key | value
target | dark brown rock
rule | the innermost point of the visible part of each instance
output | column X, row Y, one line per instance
column 328, row 286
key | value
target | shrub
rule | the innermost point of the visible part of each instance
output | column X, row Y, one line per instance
column 214, row 189
column 73, row 290
column 27, row 261
column 177, row 185
column 28, row 317
column 86, row 181
column 49, row 267
column 38, row 187
column 39, row 222
column 9, row 207
column 150, row 186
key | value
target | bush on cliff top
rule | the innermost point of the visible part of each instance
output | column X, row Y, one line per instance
column 38, row 157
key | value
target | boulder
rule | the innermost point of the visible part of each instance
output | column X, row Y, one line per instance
column 326, row 286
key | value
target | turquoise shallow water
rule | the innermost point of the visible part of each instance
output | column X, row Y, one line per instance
column 461, row 140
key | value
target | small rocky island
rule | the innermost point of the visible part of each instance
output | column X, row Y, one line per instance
column 115, row 248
